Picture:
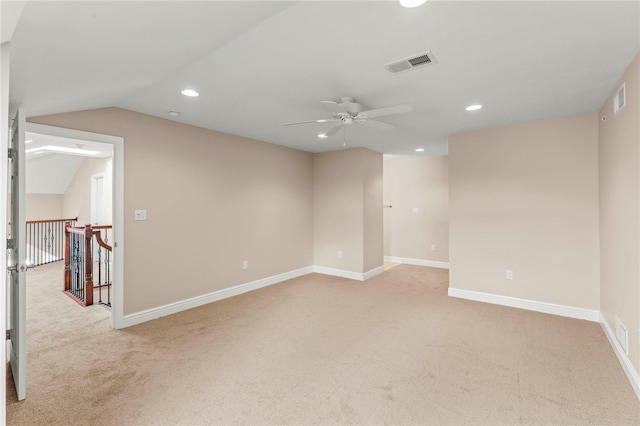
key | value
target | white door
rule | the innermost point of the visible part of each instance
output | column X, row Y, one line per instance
column 97, row 200
column 16, row 265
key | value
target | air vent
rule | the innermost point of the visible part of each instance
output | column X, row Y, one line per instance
column 619, row 100
column 622, row 335
column 417, row 61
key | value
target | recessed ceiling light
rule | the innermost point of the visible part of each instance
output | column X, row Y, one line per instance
column 63, row 149
column 419, row 149
column 412, row 3
column 173, row 113
column 190, row 92
column 322, row 136
column 473, row 107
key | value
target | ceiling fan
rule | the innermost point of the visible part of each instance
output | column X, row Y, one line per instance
column 348, row 111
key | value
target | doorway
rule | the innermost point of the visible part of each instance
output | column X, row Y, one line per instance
column 102, row 182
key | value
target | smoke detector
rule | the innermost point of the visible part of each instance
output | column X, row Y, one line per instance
column 416, row 61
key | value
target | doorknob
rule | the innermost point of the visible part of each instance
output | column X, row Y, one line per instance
column 23, row 268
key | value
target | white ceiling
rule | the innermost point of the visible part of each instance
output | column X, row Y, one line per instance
column 50, row 172
column 260, row 64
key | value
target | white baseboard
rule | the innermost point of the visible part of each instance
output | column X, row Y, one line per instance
column 183, row 305
column 530, row 305
column 372, row 273
column 624, row 360
column 419, row 262
column 358, row 276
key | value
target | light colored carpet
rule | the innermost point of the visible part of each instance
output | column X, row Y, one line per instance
column 388, row 265
column 319, row 350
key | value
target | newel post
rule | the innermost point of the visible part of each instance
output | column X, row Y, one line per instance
column 88, row 266
column 67, row 257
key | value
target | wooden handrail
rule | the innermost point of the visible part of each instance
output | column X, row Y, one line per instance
column 98, row 236
column 75, row 230
column 74, row 219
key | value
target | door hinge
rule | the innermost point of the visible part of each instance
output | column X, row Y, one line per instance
column 12, row 153
column 8, row 335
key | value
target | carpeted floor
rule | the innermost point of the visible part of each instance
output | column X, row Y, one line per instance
column 319, row 350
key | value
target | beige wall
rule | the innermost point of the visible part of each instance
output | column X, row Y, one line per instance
column 619, row 141
column 212, row 201
column 373, row 238
column 348, row 210
column 421, row 182
column 525, row 198
column 77, row 197
column 44, row 206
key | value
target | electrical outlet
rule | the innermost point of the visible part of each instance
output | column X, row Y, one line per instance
column 508, row 274
column 339, row 254
column 245, row 264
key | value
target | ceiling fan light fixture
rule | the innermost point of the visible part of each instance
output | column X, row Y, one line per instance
column 474, row 107
column 419, row 149
column 409, row 4
column 190, row 92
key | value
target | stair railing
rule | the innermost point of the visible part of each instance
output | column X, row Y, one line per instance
column 45, row 240
column 103, row 262
column 79, row 264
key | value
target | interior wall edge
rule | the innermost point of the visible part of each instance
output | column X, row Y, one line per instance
column 358, row 276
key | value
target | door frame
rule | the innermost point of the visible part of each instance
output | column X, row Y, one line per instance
column 117, row 205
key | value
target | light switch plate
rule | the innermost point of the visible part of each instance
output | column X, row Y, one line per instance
column 140, row 215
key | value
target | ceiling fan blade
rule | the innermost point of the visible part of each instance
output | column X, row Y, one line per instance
column 377, row 124
column 334, row 107
column 398, row 109
column 326, row 120
column 334, row 129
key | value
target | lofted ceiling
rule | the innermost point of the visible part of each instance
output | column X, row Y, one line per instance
column 259, row 64
column 51, row 172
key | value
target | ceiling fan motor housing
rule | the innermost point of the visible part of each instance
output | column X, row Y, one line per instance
column 350, row 106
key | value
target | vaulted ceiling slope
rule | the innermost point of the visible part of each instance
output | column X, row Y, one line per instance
column 260, row 64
